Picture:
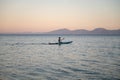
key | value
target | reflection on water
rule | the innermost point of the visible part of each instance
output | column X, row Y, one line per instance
column 87, row 58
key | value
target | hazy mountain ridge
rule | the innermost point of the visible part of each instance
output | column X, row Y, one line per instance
column 83, row 31
column 96, row 31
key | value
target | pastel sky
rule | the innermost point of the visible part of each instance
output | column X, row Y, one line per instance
column 47, row 15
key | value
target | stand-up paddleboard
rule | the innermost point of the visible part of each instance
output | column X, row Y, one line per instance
column 68, row 42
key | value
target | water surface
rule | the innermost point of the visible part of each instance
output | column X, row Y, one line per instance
column 87, row 58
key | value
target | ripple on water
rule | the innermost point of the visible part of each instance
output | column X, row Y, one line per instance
column 82, row 71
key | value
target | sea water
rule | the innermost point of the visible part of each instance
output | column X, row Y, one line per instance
column 28, row 57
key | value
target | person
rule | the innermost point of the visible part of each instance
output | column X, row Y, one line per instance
column 59, row 40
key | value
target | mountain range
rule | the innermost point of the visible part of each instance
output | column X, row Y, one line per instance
column 83, row 31
column 96, row 31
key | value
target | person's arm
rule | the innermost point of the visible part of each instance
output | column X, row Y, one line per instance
column 62, row 38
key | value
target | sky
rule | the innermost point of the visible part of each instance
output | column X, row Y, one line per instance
column 47, row 15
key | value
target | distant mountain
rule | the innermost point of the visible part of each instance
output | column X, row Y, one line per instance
column 80, row 31
column 60, row 31
column 83, row 31
column 104, row 31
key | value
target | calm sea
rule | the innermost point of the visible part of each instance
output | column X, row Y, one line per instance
column 28, row 57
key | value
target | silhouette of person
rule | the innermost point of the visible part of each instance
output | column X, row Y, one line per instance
column 59, row 40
